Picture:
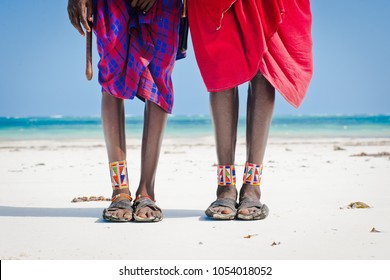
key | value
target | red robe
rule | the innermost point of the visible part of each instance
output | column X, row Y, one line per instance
column 235, row 39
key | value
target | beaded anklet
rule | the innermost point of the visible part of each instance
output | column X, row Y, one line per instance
column 252, row 174
column 226, row 175
column 118, row 173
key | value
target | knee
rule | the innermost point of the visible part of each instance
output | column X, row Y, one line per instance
column 258, row 79
column 260, row 87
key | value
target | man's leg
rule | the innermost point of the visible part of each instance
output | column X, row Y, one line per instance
column 113, row 118
column 154, row 125
column 260, row 104
column 224, row 111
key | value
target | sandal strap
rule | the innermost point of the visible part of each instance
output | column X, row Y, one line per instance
column 224, row 202
column 248, row 203
column 122, row 204
column 226, row 175
column 145, row 201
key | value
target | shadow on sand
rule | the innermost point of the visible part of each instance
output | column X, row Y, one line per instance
column 10, row 211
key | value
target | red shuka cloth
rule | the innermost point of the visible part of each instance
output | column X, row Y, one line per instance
column 235, row 39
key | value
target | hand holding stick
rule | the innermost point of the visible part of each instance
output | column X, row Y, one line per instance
column 80, row 15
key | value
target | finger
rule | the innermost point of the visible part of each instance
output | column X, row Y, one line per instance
column 84, row 18
column 149, row 6
column 76, row 23
column 90, row 10
column 142, row 5
column 134, row 3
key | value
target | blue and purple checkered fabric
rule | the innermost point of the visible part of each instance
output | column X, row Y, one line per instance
column 137, row 51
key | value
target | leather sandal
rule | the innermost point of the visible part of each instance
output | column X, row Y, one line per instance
column 260, row 213
column 146, row 201
column 222, row 202
column 116, row 205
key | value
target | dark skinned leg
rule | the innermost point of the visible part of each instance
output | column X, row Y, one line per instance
column 113, row 118
column 261, row 99
column 154, row 124
column 224, row 111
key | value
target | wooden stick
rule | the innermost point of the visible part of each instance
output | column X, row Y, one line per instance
column 88, row 68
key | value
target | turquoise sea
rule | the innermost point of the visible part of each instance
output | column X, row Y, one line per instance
column 59, row 127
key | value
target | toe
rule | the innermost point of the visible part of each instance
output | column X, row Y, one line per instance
column 141, row 214
column 108, row 213
column 156, row 214
column 226, row 210
column 114, row 214
column 127, row 215
column 221, row 210
column 244, row 211
column 121, row 213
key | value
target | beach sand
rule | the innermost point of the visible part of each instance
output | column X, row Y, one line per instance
column 307, row 184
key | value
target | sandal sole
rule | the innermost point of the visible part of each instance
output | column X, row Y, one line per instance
column 147, row 220
column 216, row 216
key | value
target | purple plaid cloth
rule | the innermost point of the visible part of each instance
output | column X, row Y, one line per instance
column 137, row 51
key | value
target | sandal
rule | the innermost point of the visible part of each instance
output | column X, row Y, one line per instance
column 261, row 212
column 224, row 202
column 226, row 175
column 116, row 205
column 146, row 201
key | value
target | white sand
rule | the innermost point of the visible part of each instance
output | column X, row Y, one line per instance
column 306, row 182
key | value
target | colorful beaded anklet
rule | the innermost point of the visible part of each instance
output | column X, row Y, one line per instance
column 118, row 173
column 226, row 175
column 252, row 174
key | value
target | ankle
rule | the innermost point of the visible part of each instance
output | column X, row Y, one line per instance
column 226, row 175
column 226, row 181
column 139, row 196
column 227, row 191
column 124, row 191
column 252, row 174
column 145, row 192
column 119, row 177
column 251, row 181
column 250, row 191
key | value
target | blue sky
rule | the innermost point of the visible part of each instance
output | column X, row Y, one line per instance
column 42, row 63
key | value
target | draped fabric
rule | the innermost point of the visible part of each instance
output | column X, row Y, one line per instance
column 137, row 51
column 235, row 39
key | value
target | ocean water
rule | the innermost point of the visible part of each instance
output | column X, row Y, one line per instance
column 58, row 127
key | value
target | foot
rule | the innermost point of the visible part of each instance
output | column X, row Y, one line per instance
column 249, row 192
column 120, row 209
column 250, row 207
column 146, row 210
column 228, row 193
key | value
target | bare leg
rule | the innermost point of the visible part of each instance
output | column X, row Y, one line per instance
column 113, row 118
column 154, row 124
column 261, row 99
column 224, row 110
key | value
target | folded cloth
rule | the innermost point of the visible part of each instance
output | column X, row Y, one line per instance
column 235, row 39
column 137, row 51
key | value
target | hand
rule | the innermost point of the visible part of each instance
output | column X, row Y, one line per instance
column 80, row 12
column 143, row 5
